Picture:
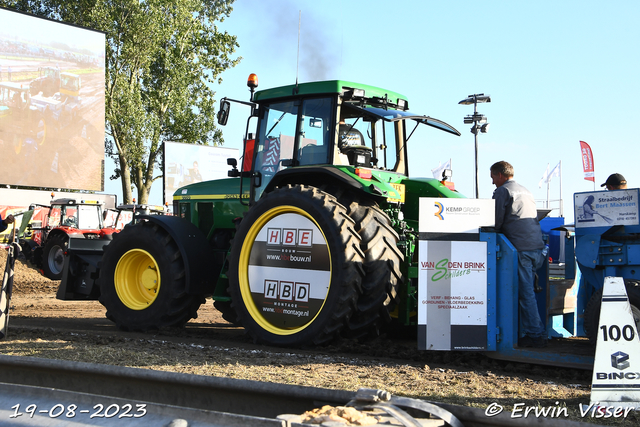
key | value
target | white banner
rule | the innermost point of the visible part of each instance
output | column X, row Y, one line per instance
column 606, row 208
column 452, row 291
column 186, row 164
column 441, row 215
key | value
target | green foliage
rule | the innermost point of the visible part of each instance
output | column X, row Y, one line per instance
column 162, row 59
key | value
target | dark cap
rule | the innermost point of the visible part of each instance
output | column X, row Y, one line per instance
column 615, row 179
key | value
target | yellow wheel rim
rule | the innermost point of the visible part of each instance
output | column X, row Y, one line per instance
column 137, row 279
column 243, row 273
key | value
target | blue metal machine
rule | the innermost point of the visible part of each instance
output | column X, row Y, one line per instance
column 605, row 241
column 607, row 233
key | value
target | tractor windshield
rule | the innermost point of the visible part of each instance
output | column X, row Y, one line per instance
column 395, row 115
column 293, row 133
column 376, row 137
column 50, row 72
column 89, row 217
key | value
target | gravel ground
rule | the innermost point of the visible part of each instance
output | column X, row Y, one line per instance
column 44, row 327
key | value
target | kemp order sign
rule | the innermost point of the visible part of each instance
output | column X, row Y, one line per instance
column 440, row 215
column 289, row 270
column 452, row 294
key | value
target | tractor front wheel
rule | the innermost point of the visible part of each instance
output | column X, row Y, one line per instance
column 142, row 280
column 53, row 257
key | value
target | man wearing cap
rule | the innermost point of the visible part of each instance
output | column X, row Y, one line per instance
column 615, row 182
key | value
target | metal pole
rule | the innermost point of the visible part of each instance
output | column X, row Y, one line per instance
column 548, row 186
column 476, row 140
column 475, row 111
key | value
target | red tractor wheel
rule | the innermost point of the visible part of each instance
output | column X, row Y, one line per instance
column 53, row 257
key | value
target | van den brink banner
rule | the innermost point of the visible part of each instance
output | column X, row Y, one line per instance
column 452, row 294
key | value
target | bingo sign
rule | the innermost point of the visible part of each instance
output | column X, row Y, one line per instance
column 452, row 294
column 289, row 271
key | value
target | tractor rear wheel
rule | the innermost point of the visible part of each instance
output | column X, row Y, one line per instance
column 592, row 311
column 382, row 263
column 142, row 280
column 53, row 257
column 382, row 266
column 295, row 268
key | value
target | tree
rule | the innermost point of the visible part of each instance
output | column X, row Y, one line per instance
column 162, row 58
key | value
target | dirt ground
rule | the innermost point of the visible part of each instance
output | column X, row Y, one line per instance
column 44, row 327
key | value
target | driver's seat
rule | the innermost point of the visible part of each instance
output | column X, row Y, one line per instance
column 352, row 144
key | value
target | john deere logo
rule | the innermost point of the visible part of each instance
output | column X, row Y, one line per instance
column 620, row 360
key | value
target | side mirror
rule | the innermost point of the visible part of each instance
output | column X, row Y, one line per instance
column 223, row 113
column 234, row 172
column 315, row 123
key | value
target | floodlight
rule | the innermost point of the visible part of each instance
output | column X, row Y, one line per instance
column 480, row 118
column 476, row 99
column 479, row 122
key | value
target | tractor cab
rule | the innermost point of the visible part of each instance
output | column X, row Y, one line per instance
column 47, row 82
column 70, row 85
column 82, row 215
column 13, row 97
column 336, row 129
column 125, row 214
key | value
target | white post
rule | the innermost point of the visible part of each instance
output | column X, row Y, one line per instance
column 561, row 203
column 548, row 186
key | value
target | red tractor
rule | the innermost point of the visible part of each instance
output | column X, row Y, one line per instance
column 67, row 217
column 122, row 215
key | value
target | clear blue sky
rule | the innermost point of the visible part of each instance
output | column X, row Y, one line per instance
column 557, row 72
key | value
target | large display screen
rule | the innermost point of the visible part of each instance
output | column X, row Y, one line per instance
column 189, row 163
column 51, row 103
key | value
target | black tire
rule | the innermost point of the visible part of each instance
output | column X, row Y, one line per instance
column 326, row 268
column 592, row 311
column 382, row 265
column 53, row 257
column 142, row 280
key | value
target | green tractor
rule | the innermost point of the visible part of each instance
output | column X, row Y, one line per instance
column 313, row 237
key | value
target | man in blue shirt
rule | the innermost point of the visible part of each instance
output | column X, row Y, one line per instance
column 517, row 219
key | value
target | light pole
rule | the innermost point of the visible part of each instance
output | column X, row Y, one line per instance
column 479, row 123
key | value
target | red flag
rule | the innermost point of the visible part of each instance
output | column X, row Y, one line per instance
column 587, row 161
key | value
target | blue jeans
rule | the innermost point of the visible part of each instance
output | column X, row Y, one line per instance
column 530, row 323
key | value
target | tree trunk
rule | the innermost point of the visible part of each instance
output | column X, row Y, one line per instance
column 125, row 180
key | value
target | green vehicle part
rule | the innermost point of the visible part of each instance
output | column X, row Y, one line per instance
column 314, row 237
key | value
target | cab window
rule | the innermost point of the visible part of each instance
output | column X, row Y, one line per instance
column 315, row 136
